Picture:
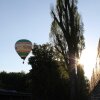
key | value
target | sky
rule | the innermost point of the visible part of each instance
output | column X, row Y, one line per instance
column 31, row 19
column 89, row 10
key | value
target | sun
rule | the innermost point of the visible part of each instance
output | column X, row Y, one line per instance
column 88, row 59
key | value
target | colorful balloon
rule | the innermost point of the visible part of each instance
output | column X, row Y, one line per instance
column 23, row 48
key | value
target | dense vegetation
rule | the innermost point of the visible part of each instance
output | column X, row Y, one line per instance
column 18, row 81
column 67, row 37
column 50, row 77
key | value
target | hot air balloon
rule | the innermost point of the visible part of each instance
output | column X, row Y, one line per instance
column 23, row 48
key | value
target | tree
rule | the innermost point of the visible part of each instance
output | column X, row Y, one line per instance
column 8, row 81
column 49, row 77
column 67, row 33
column 83, row 86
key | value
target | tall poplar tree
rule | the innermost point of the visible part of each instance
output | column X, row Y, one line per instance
column 67, row 35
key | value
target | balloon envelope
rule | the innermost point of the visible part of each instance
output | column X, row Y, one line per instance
column 23, row 48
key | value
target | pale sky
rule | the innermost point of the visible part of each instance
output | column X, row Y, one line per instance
column 90, row 12
column 31, row 19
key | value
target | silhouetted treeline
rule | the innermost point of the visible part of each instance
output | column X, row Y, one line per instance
column 50, row 78
column 17, row 81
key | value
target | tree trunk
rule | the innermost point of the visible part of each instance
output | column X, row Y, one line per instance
column 72, row 75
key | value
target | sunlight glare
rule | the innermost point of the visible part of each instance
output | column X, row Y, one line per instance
column 88, row 59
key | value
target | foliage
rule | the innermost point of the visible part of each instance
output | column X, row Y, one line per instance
column 67, row 27
column 67, row 36
column 15, row 81
column 82, row 84
column 49, row 80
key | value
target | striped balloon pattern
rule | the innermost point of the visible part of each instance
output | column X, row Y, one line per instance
column 23, row 48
